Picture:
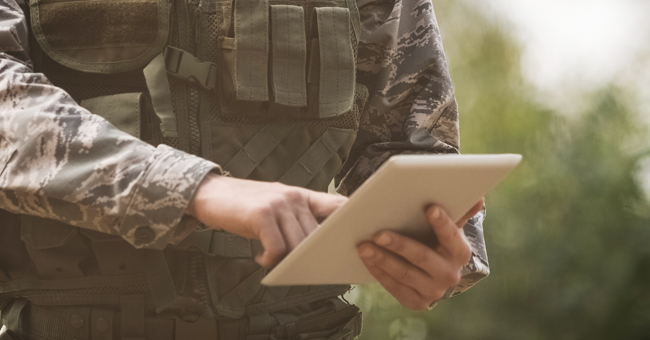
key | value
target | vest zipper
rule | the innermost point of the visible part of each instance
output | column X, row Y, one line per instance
column 197, row 26
column 193, row 113
column 193, row 95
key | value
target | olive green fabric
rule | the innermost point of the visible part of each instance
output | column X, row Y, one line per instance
column 257, row 149
column 156, row 76
column 121, row 110
column 252, row 48
column 133, row 317
column 105, row 36
column 289, row 55
column 220, row 243
column 81, row 18
column 114, row 256
column 56, row 248
column 159, row 278
column 337, row 78
column 316, row 157
column 355, row 19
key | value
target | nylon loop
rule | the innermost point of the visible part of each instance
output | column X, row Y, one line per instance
column 337, row 78
column 289, row 47
column 13, row 317
column 155, row 75
column 252, row 50
column 257, row 149
column 315, row 158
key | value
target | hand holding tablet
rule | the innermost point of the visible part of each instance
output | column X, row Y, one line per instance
column 392, row 199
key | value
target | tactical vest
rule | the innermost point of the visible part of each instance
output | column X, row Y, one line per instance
column 265, row 88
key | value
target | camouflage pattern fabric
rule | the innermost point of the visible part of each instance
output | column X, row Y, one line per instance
column 59, row 161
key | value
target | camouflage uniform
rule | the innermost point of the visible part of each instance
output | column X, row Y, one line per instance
column 60, row 162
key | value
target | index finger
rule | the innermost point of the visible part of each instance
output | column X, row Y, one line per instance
column 451, row 237
column 274, row 245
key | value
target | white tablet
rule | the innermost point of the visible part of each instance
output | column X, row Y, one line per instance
column 394, row 198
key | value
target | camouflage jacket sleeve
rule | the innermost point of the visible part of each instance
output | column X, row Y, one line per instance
column 60, row 162
column 411, row 108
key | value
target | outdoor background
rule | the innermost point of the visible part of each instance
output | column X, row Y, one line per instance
column 566, row 84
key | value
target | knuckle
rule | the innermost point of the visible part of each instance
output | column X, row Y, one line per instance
column 293, row 195
column 404, row 273
column 263, row 210
column 421, row 257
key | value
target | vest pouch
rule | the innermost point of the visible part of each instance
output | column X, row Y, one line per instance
column 123, row 110
column 233, row 284
column 227, row 94
column 101, row 36
column 332, row 65
column 114, row 256
column 57, row 249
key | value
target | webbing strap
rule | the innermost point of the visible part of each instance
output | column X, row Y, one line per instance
column 13, row 318
column 252, row 42
column 314, row 159
column 289, row 55
column 220, row 243
column 159, row 278
column 155, row 74
column 132, row 317
column 75, row 283
column 257, row 149
column 336, row 93
column 354, row 17
column 184, row 65
column 4, row 334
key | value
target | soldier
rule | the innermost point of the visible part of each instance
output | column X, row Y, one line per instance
column 196, row 105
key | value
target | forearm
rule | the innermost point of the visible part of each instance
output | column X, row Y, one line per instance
column 61, row 162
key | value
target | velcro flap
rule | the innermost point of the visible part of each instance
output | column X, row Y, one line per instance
column 289, row 55
column 336, row 93
column 121, row 110
column 252, row 46
column 101, row 36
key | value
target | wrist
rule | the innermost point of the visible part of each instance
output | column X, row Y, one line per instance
column 206, row 185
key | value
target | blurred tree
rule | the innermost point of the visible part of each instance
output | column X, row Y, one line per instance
column 568, row 233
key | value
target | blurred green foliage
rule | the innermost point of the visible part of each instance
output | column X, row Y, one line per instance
column 568, row 233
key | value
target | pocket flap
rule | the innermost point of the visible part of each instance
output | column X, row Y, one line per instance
column 43, row 233
column 101, row 36
column 121, row 110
